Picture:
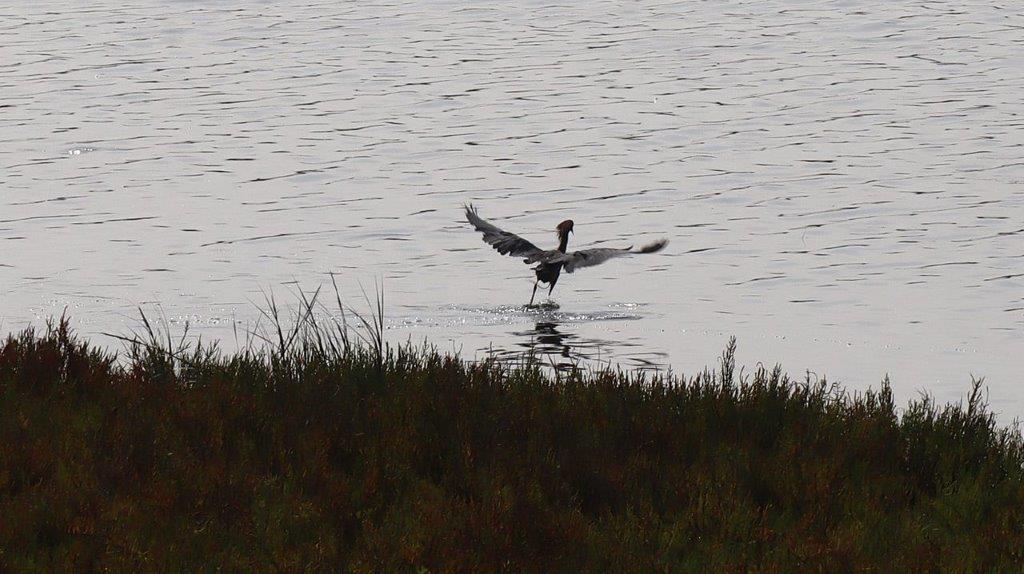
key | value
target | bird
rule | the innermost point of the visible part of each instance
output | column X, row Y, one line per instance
column 550, row 262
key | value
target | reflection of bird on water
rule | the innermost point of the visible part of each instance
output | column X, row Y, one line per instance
column 550, row 263
column 545, row 340
column 549, row 338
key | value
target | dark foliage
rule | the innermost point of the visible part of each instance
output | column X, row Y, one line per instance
column 320, row 453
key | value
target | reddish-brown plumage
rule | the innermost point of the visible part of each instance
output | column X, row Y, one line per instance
column 563, row 230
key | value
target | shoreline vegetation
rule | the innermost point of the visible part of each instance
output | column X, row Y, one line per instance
column 318, row 447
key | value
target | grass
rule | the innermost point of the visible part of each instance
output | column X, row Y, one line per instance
column 319, row 448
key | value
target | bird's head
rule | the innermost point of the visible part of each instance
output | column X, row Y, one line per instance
column 564, row 228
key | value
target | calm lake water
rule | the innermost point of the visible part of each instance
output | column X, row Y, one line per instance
column 842, row 182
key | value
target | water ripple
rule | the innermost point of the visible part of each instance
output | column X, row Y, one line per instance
column 817, row 167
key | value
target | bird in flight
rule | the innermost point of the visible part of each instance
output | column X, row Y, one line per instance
column 550, row 262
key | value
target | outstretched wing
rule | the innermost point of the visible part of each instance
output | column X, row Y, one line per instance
column 598, row 255
column 504, row 242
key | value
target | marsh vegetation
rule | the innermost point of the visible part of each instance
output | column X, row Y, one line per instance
column 320, row 448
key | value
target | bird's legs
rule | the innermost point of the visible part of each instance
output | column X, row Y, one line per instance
column 534, row 292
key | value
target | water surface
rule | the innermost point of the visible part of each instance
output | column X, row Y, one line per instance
column 842, row 182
